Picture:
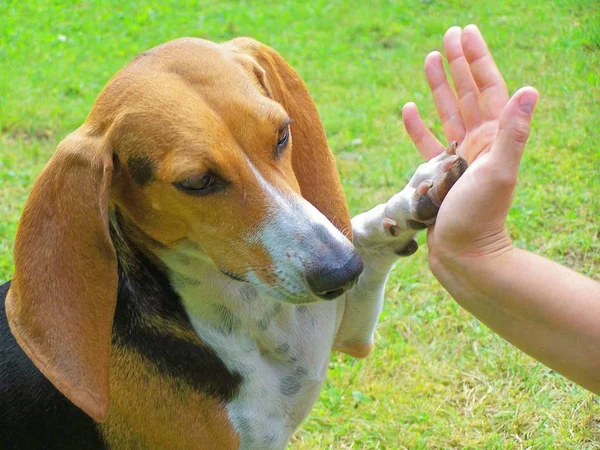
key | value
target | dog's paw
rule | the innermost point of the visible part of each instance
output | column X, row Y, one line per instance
column 389, row 229
column 417, row 205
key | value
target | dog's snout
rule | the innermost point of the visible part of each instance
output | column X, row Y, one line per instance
column 334, row 273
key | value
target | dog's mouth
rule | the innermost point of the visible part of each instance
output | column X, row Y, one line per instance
column 327, row 277
column 294, row 279
column 331, row 295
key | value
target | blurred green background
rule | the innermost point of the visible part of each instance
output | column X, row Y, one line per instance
column 438, row 378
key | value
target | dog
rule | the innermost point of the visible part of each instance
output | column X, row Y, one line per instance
column 185, row 262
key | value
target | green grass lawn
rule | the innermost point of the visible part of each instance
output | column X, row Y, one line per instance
column 438, row 378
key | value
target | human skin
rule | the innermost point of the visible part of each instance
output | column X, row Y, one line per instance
column 547, row 310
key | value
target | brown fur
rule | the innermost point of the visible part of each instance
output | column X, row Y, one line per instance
column 175, row 112
column 312, row 160
column 357, row 349
column 151, row 410
column 62, row 298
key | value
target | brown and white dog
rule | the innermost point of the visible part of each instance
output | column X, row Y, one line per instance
column 186, row 262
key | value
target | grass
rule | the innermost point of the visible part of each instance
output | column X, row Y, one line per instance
column 438, row 378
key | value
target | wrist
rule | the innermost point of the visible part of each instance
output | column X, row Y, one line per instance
column 469, row 267
column 447, row 248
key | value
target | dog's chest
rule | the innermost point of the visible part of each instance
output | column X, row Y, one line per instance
column 280, row 350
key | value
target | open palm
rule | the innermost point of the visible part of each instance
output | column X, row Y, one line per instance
column 491, row 132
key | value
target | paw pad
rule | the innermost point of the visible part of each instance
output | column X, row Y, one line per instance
column 408, row 248
column 448, row 168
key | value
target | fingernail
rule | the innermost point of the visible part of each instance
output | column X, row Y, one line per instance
column 527, row 102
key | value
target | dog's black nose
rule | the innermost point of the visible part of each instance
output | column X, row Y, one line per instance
column 333, row 274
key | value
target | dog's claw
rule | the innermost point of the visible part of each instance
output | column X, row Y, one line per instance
column 452, row 147
column 387, row 223
column 448, row 162
column 391, row 226
column 424, row 187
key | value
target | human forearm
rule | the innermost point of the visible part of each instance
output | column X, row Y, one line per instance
column 545, row 309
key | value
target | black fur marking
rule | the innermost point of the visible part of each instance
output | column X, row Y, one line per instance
column 145, row 291
column 245, row 424
column 264, row 323
column 248, row 293
column 283, row 349
column 33, row 414
column 142, row 169
column 308, row 315
column 269, row 440
column 290, row 385
column 227, row 322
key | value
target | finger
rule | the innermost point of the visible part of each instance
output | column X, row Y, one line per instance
column 424, row 140
column 444, row 97
column 513, row 132
column 493, row 94
column 465, row 86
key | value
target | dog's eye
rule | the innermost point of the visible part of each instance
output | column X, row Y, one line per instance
column 200, row 185
column 284, row 138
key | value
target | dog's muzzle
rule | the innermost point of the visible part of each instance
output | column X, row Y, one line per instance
column 334, row 270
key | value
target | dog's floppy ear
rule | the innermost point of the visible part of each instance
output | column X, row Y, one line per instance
column 312, row 160
column 62, row 298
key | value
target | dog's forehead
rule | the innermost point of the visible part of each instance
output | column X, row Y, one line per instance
column 188, row 93
column 190, row 58
column 171, row 70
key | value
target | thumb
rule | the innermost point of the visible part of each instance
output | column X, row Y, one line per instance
column 514, row 129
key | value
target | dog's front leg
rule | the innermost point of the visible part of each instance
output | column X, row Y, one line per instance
column 384, row 234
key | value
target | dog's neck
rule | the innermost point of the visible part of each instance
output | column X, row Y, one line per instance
column 221, row 306
column 150, row 319
column 281, row 349
column 196, row 293
column 267, row 358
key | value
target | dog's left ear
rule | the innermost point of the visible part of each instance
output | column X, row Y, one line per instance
column 312, row 160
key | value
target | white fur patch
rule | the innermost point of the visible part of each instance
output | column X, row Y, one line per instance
column 281, row 349
column 288, row 235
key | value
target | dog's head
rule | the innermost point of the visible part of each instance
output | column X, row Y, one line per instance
column 214, row 149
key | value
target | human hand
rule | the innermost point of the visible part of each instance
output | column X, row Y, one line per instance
column 491, row 131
